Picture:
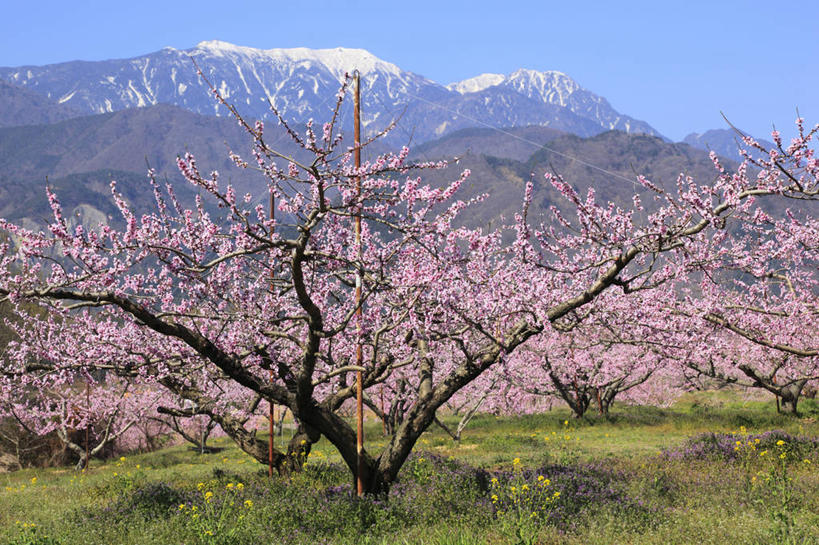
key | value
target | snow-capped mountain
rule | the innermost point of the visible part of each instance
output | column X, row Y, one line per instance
column 302, row 83
column 558, row 89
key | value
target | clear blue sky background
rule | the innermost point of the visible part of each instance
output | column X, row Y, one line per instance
column 674, row 64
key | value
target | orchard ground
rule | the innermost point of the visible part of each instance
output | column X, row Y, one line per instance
column 636, row 478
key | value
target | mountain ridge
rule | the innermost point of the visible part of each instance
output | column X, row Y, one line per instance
column 302, row 83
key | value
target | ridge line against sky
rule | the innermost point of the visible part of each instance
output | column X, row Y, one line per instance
column 674, row 66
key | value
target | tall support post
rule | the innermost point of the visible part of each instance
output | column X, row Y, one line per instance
column 358, row 285
column 88, row 421
column 272, row 407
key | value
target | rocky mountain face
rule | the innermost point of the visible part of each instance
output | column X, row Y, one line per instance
column 302, row 83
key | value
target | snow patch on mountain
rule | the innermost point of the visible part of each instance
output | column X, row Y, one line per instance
column 552, row 87
column 476, row 84
column 339, row 61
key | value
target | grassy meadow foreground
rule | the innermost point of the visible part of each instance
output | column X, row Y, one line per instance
column 711, row 469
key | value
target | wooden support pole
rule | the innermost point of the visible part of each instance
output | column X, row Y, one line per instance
column 88, row 421
column 358, row 281
column 272, row 407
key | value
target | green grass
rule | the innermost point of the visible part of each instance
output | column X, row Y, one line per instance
column 442, row 498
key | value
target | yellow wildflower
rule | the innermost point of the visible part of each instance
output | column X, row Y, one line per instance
column 780, row 443
column 181, row 506
column 208, row 495
column 248, row 503
column 200, row 486
column 239, row 486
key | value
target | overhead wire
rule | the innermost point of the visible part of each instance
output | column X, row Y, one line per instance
column 537, row 145
column 526, row 140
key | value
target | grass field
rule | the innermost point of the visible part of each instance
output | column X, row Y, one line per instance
column 636, row 478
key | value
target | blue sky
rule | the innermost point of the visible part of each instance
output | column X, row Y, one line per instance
column 676, row 65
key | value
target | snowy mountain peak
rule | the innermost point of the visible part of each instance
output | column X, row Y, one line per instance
column 476, row 84
column 551, row 86
column 302, row 84
column 538, row 74
column 338, row 60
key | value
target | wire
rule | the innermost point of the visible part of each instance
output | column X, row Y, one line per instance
column 501, row 131
column 536, row 144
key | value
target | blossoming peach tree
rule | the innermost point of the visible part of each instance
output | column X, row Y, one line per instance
column 210, row 301
column 755, row 311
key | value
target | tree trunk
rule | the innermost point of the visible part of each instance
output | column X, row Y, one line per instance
column 606, row 400
column 788, row 406
column 789, row 396
column 298, row 450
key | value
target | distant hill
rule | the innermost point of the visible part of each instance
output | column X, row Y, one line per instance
column 80, row 156
column 85, row 198
column 20, row 106
column 724, row 142
column 517, row 143
column 129, row 141
column 626, row 155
